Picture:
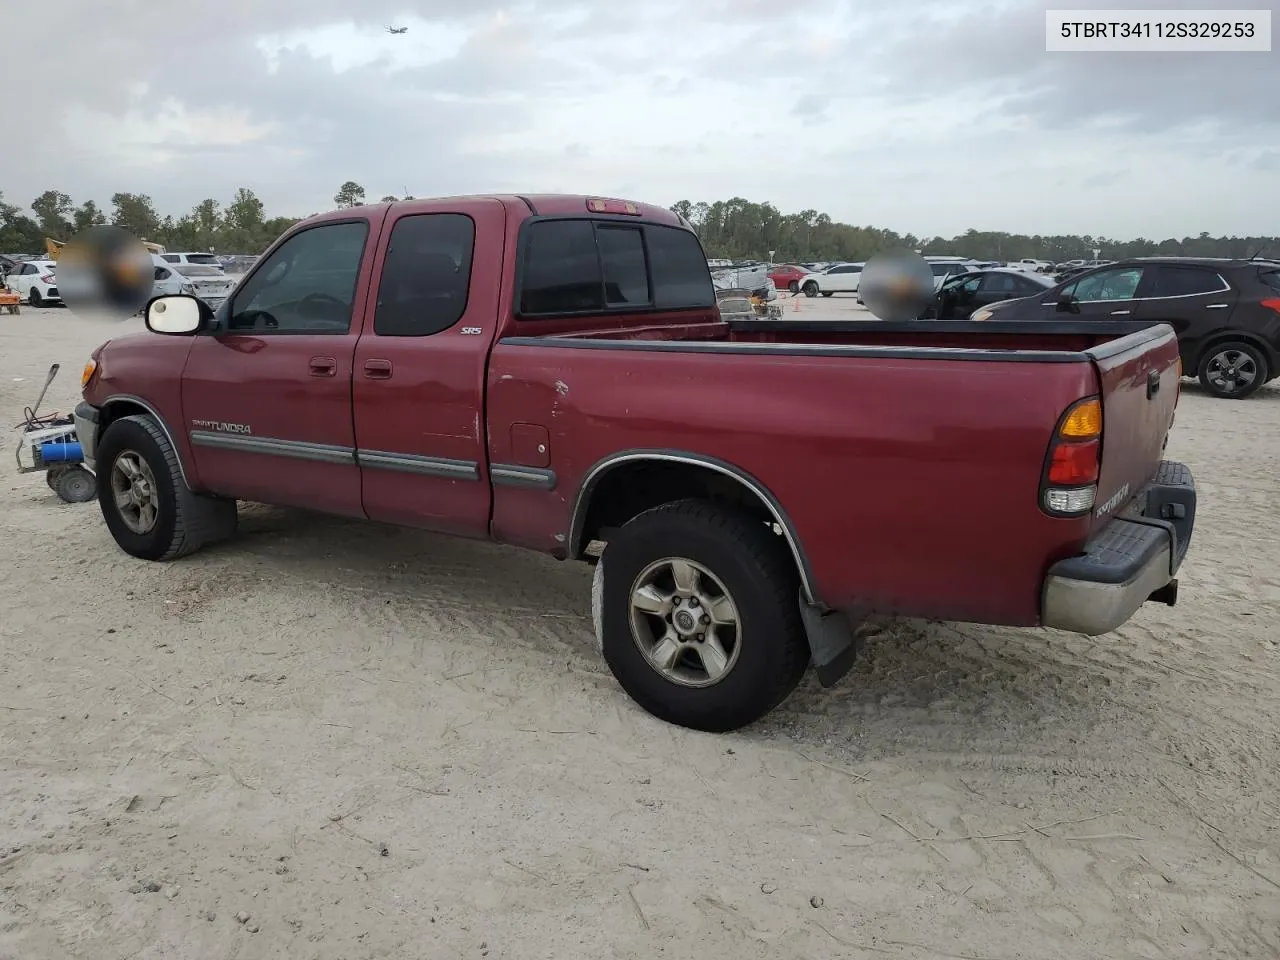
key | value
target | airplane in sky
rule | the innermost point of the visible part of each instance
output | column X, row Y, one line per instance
column 397, row 30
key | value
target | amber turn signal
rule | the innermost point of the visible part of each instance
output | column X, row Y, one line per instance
column 1084, row 422
column 87, row 374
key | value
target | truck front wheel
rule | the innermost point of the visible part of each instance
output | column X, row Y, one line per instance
column 148, row 508
column 698, row 615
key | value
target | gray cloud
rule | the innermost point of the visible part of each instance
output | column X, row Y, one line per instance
column 998, row 52
column 871, row 112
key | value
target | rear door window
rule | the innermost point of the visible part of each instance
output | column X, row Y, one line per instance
column 426, row 275
column 1271, row 278
column 1176, row 281
column 999, row 283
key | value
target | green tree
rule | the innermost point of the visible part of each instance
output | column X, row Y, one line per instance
column 136, row 213
column 54, row 212
column 350, row 194
column 18, row 232
column 87, row 215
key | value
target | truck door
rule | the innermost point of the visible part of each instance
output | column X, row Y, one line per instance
column 420, row 367
column 267, row 396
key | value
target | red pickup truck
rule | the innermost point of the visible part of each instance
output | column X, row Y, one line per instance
column 552, row 372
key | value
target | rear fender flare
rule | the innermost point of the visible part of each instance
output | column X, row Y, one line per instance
column 598, row 470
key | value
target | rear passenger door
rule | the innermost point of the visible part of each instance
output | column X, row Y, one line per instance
column 419, row 368
column 1194, row 300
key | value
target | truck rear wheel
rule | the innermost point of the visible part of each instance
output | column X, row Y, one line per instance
column 698, row 615
column 148, row 508
column 810, row 289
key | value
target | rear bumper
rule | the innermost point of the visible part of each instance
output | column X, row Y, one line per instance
column 86, row 419
column 1134, row 557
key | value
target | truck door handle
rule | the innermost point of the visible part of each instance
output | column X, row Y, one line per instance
column 377, row 369
column 323, row 366
column 1120, row 313
column 1217, row 306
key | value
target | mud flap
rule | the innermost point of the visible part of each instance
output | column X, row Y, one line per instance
column 597, row 603
column 832, row 642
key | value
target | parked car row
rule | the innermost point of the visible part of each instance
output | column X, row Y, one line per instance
column 1226, row 313
column 198, row 274
column 35, row 282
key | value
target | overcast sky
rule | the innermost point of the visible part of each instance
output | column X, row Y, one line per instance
column 929, row 116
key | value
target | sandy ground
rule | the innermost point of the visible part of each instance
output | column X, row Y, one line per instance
column 379, row 743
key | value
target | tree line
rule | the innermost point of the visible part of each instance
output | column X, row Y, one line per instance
column 240, row 226
column 739, row 229
column 734, row 229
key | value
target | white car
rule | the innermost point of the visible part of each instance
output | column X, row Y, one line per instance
column 1030, row 266
column 841, row 278
column 35, row 282
column 210, row 284
column 202, row 259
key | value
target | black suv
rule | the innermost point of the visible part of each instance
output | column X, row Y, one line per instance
column 1226, row 312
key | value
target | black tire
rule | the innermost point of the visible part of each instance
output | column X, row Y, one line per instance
column 75, row 485
column 794, row 286
column 185, row 521
column 34, row 298
column 810, row 289
column 756, row 570
column 51, row 476
column 1240, row 358
column 828, row 293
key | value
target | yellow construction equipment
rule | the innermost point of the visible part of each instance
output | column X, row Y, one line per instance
column 54, row 247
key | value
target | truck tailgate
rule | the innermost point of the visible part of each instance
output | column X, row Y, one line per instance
column 1139, row 378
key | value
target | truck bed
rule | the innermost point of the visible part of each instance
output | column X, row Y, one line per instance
column 1063, row 340
column 910, row 463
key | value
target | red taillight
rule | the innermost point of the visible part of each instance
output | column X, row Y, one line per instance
column 1074, row 460
column 47, row 278
column 1272, row 303
column 1074, row 464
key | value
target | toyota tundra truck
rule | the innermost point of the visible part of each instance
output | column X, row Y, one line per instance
column 552, row 372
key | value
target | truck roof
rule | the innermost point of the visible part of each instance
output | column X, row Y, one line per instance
column 538, row 204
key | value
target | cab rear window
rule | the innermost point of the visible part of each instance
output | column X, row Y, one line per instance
column 584, row 266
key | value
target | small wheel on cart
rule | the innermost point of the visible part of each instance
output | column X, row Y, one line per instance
column 51, row 476
column 75, row 485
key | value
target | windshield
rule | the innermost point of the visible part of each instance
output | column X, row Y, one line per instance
column 197, row 270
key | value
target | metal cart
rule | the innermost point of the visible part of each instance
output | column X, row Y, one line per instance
column 49, row 443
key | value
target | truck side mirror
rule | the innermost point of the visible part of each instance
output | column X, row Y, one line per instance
column 177, row 315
